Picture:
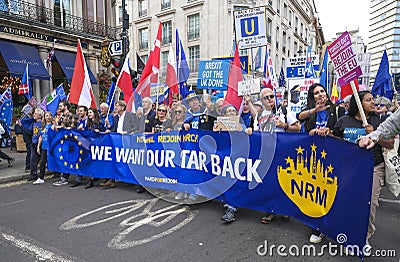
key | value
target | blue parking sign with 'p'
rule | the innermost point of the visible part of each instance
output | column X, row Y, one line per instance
column 249, row 26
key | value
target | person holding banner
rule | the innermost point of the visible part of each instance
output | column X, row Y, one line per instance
column 273, row 119
column 231, row 111
column 67, row 121
column 124, row 123
column 93, row 120
column 350, row 128
column 93, row 124
column 179, row 117
column 106, row 118
column 162, row 121
column 146, row 124
column 318, row 117
column 197, row 117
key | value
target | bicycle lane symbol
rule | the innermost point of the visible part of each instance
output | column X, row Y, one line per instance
column 149, row 216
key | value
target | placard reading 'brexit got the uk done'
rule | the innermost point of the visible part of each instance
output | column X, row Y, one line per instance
column 344, row 59
column 213, row 74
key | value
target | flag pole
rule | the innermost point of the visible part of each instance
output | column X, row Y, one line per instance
column 112, row 99
column 358, row 102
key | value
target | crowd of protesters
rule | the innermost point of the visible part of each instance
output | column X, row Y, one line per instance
column 258, row 113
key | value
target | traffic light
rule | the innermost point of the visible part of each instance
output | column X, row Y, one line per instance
column 117, row 65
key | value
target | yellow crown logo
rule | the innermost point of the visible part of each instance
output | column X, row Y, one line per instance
column 312, row 188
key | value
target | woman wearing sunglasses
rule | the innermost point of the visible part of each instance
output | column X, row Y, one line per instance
column 179, row 117
column 382, row 106
column 162, row 121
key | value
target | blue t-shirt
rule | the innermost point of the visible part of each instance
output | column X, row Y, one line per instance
column 82, row 123
column 45, row 139
column 36, row 127
column 322, row 119
column 246, row 119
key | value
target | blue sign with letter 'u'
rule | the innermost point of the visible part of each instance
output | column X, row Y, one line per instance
column 249, row 26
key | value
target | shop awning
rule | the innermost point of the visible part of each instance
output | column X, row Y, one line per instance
column 67, row 63
column 18, row 55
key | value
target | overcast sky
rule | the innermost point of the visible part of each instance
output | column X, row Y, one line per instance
column 343, row 15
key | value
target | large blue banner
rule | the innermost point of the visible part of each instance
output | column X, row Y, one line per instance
column 323, row 182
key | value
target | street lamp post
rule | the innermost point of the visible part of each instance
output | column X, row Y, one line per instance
column 125, row 27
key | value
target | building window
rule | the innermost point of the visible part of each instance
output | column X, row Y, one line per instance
column 144, row 58
column 301, row 29
column 194, row 58
column 269, row 29
column 120, row 14
column 278, row 6
column 166, row 33
column 284, row 42
column 164, row 63
column 142, row 8
column 285, row 14
column 277, row 37
column 165, row 4
column 62, row 13
column 290, row 17
column 143, row 39
column 194, row 27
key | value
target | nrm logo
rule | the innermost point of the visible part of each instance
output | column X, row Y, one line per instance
column 308, row 183
column 249, row 26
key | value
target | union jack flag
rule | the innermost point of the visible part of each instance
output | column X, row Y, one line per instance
column 7, row 95
column 269, row 77
column 50, row 57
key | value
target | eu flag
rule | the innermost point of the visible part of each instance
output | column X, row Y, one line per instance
column 182, row 67
column 382, row 85
column 6, row 107
column 323, row 79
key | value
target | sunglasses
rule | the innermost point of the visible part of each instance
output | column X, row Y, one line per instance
column 178, row 111
column 268, row 97
column 381, row 105
column 162, row 110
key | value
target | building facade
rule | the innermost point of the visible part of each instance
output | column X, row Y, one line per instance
column 384, row 34
column 30, row 29
column 206, row 29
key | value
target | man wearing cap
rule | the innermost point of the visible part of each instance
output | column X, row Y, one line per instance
column 197, row 117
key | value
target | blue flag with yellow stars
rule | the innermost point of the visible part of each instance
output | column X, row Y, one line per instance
column 6, row 107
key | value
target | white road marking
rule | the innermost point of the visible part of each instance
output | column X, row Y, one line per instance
column 16, row 183
column 395, row 201
column 14, row 202
column 34, row 248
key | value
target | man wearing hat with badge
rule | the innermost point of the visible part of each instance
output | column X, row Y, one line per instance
column 197, row 116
